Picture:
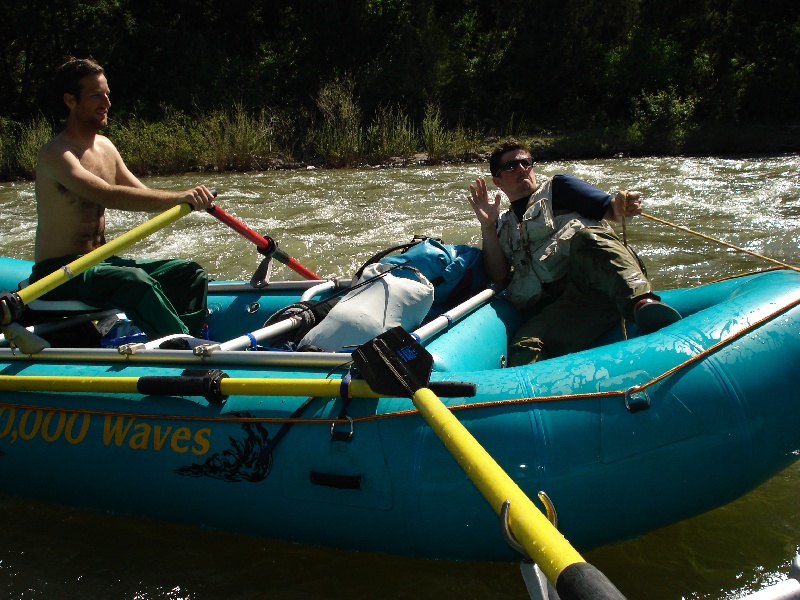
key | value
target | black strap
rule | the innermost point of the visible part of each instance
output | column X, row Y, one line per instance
column 267, row 450
column 344, row 394
column 402, row 248
column 191, row 382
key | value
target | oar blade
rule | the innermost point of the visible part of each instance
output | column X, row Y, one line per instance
column 394, row 363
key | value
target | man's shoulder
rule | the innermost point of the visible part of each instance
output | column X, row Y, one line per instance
column 60, row 145
column 565, row 179
column 103, row 141
column 53, row 147
column 51, row 156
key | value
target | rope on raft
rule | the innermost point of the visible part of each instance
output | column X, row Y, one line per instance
column 713, row 239
column 610, row 393
column 698, row 234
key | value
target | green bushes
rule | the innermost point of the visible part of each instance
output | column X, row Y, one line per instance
column 238, row 141
column 242, row 140
column 663, row 121
column 391, row 135
column 19, row 147
column 168, row 146
column 32, row 137
column 339, row 138
column 435, row 64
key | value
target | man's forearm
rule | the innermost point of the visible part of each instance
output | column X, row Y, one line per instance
column 494, row 261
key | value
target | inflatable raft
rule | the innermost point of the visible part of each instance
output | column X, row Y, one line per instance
column 229, row 433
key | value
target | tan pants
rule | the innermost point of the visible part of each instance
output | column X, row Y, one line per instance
column 604, row 277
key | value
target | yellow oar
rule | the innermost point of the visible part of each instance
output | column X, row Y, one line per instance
column 190, row 384
column 572, row 576
column 79, row 265
column 227, row 386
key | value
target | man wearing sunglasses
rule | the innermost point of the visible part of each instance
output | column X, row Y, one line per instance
column 563, row 264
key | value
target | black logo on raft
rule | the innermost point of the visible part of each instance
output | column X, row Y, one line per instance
column 241, row 462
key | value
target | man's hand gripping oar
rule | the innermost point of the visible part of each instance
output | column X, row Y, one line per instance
column 395, row 363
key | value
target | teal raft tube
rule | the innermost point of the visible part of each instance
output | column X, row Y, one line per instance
column 623, row 438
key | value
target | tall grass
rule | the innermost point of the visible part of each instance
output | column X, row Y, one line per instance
column 25, row 149
column 391, row 135
column 339, row 138
column 7, row 128
column 241, row 139
column 170, row 145
column 464, row 144
column 237, row 140
column 434, row 135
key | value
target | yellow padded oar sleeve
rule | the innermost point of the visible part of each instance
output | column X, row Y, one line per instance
column 543, row 542
column 228, row 386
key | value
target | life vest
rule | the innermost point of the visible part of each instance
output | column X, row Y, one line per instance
column 538, row 248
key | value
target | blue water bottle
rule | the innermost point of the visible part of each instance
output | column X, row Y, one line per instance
column 122, row 332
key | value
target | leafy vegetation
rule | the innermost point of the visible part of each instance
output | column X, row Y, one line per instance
column 239, row 84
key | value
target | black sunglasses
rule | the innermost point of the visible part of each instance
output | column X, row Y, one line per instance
column 511, row 165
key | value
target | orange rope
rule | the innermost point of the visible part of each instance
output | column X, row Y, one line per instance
column 718, row 345
column 713, row 239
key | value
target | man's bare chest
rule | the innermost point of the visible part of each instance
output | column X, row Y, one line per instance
column 99, row 163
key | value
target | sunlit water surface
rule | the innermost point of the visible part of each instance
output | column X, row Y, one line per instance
column 331, row 221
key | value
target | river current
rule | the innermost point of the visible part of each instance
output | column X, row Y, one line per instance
column 333, row 220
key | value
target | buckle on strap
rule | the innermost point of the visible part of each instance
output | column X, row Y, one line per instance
column 344, row 394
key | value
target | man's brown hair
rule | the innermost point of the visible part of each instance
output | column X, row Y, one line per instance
column 497, row 153
column 68, row 76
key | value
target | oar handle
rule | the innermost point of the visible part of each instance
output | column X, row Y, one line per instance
column 408, row 364
column 265, row 244
column 261, row 241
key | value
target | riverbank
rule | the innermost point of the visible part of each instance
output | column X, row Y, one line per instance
column 546, row 145
column 755, row 140
column 240, row 142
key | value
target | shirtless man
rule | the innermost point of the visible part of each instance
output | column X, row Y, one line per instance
column 79, row 174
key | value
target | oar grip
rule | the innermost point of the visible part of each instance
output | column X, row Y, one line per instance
column 583, row 581
column 192, row 382
column 453, row 389
column 11, row 308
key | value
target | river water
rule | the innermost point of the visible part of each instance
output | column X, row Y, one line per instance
column 331, row 221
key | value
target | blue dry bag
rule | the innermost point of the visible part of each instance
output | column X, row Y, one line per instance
column 455, row 270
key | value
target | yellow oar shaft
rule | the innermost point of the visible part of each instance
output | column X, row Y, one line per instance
column 294, row 387
column 543, row 542
column 17, row 383
column 79, row 265
column 228, row 386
